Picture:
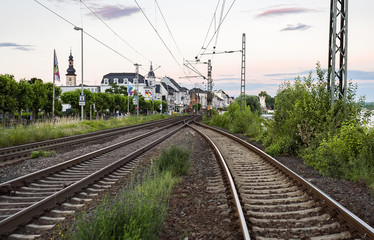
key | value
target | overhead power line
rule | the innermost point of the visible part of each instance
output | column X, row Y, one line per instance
column 218, row 28
column 210, row 25
column 113, row 31
column 158, row 6
column 85, row 32
column 159, row 36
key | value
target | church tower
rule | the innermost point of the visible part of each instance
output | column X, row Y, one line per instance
column 151, row 77
column 71, row 77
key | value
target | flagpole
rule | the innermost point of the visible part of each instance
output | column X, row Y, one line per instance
column 53, row 96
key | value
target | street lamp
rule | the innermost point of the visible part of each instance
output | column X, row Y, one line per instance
column 81, row 29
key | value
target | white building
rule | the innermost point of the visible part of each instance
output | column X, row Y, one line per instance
column 223, row 99
column 177, row 97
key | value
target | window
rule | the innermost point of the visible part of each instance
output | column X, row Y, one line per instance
column 125, row 81
column 106, row 81
column 115, row 80
column 150, row 83
column 135, row 81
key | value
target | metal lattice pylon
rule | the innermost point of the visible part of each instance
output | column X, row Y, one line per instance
column 338, row 42
column 242, row 82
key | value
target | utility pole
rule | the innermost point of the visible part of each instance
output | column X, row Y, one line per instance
column 210, row 89
column 338, row 44
column 242, row 81
column 137, row 88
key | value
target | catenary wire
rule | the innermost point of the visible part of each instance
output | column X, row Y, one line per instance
column 158, row 6
column 219, row 26
column 159, row 36
column 114, row 31
column 210, row 25
column 85, row 32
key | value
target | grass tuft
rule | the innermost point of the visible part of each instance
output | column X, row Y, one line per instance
column 65, row 127
column 137, row 212
column 175, row 160
column 42, row 153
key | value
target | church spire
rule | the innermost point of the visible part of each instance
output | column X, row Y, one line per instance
column 151, row 74
column 70, row 75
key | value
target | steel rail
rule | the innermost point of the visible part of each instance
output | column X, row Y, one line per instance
column 356, row 222
column 234, row 192
column 24, row 151
column 11, row 185
column 11, row 223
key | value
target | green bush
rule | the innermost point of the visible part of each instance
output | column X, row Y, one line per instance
column 138, row 212
column 238, row 120
column 175, row 160
column 347, row 155
column 222, row 121
column 304, row 114
column 42, row 153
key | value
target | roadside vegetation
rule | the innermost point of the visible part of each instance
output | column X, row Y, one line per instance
column 137, row 212
column 42, row 153
column 25, row 101
column 66, row 127
column 334, row 140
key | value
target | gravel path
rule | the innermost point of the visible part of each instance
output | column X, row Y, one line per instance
column 199, row 214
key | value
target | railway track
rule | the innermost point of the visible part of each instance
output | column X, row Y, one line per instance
column 47, row 196
column 273, row 202
column 15, row 154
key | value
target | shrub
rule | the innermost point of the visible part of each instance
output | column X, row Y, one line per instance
column 137, row 212
column 347, row 154
column 42, row 153
column 222, row 121
column 305, row 116
column 175, row 160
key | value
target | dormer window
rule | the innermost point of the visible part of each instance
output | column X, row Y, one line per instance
column 106, row 81
column 115, row 80
column 135, row 81
column 125, row 81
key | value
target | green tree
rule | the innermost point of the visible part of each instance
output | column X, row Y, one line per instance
column 252, row 101
column 196, row 107
column 103, row 102
column 39, row 99
column 304, row 117
column 270, row 101
column 49, row 92
column 24, row 97
column 116, row 89
column 120, row 102
column 8, row 93
column 71, row 98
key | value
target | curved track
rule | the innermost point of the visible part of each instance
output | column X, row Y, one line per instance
column 276, row 202
column 27, row 197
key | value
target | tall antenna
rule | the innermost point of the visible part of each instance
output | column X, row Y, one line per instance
column 338, row 43
column 242, row 82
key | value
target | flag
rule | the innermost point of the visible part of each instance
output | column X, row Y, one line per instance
column 147, row 93
column 56, row 73
column 129, row 90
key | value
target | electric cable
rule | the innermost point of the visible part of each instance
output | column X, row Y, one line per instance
column 219, row 26
column 210, row 25
column 159, row 36
column 114, row 31
column 85, row 32
column 180, row 52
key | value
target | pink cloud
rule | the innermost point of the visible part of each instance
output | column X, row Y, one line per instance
column 283, row 11
column 112, row 12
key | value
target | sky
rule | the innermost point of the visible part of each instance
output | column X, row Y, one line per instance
column 284, row 39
